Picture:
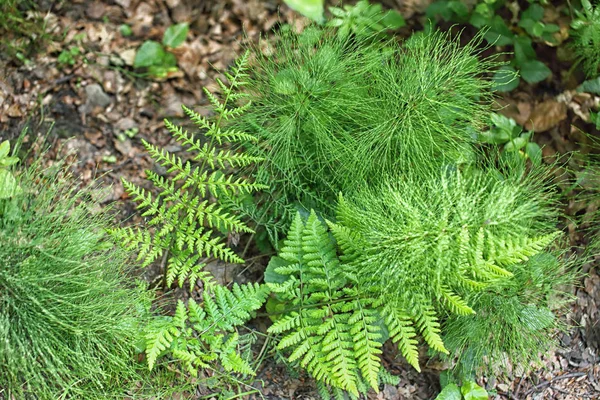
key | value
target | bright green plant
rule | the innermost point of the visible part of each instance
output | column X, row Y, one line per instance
column 156, row 57
column 199, row 335
column 333, row 112
column 505, row 131
column 187, row 220
column 484, row 16
column 8, row 184
column 186, row 212
column 586, row 37
column 332, row 326
column 412, row 252
column 364, row 19
column 469, row 390
column 69, row 316
column 69, row 56
column 515, row 319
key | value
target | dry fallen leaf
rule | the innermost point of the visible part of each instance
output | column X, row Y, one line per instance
column 546, row 115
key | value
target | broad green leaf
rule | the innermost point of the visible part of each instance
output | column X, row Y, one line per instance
column 149, row 53
column 524, row 50
column 393, row 20
column 534, row 71
column 534, row 152
column 312, row 9
column 4, row 149
column 270, row 275
column 8, row 185
column 175, row 35
column 506, row 79
column 472, row 391
column 591, row 86
column 450, row 392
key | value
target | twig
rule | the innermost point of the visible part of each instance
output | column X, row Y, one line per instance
column 546, row 383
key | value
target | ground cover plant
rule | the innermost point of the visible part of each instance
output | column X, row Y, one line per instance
column 357, row 208
column 69, row 316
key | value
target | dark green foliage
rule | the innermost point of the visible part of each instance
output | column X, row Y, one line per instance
column 69, row 316
column 515, row 319
column 332, row 112
column 586, row 37
column 489, row 17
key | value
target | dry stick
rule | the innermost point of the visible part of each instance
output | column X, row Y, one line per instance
column 546, row 383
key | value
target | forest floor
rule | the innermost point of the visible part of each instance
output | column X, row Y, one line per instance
column 89, row 107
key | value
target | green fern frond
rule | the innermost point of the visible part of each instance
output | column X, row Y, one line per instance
column 332, row 327
column 197, row 335
column 186, row 211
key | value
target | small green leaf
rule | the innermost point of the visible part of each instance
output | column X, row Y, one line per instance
column 534, row 71
column 472, row 391
column 534, row 12
column 4, row 149
column 175, row 35
column 590, row 86
column 524, row 50
column 393, row 20
column 312, row 9
column 149, row 53
column 506, row 79
column 538, row 29
column 534, row 152
column 450, row 392
column 125, row 30
column 8, row 185
column 516, row 143
column 499, row 33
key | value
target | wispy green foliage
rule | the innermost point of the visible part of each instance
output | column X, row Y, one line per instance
column 516, row 319
column 186, row 213
column 69, row 316
column 430, row 241
column 332, row 112
column 586, row 37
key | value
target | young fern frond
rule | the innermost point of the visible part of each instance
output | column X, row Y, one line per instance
column 186, row 210
column 197, row 335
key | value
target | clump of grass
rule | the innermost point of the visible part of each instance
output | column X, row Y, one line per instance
column 69, row 316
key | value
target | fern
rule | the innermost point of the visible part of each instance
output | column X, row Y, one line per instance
column 198, row 335
column 185, row 214
column 332, row 326
column 586, row 37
